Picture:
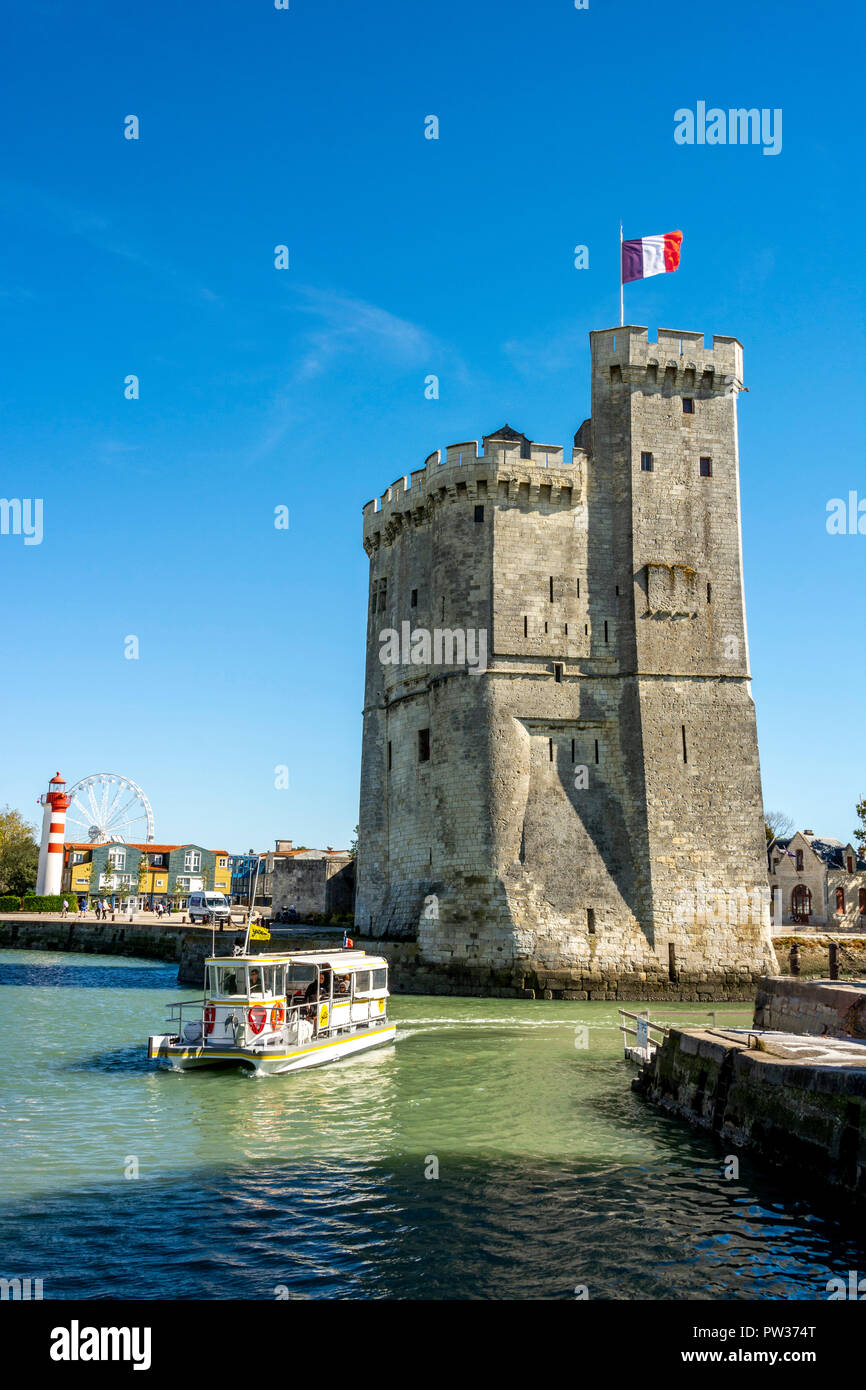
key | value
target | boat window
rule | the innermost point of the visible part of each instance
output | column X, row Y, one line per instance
column 380, row 979
column 342, row 986
column 279, row 979
column 259, row 979
column 362, row 982
column 298, row 977
column 232, row 982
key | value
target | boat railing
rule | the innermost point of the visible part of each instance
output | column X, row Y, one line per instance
column 243, row 1034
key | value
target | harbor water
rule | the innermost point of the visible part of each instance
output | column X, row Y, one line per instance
column 496, row 1151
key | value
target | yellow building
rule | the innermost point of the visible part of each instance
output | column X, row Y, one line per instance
column 144, row 874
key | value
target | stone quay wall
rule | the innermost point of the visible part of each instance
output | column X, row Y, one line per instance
column 822, row 1008
column 121, row 938
column 800, row 1110
column 411, row 973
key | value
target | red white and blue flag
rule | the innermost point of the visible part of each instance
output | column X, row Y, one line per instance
column 650, row 255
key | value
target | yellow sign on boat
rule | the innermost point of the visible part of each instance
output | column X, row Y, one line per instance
column 259, row 932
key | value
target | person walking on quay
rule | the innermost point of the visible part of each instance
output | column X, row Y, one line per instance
column 65, row 912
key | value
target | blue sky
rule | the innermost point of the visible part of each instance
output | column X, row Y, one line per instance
column 305, row 387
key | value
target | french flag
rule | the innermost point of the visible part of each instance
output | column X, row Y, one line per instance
column 650, row 255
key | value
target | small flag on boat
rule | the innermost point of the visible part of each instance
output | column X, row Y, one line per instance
column 259, row 932
column 650, row 255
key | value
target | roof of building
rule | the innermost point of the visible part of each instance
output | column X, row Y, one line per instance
column 131, row 844
column 508, row 433
column 827, row 848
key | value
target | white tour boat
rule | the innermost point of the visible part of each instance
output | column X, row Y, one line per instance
column 280, row 1011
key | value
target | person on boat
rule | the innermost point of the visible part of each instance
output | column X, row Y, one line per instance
column 341, row 984
column 255, row 982
column 317, row 990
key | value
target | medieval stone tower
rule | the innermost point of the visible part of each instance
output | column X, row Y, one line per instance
column 560, row 785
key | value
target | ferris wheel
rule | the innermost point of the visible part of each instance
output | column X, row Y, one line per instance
column 109, row 807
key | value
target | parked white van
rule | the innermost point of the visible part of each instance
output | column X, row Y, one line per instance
column 207, row 907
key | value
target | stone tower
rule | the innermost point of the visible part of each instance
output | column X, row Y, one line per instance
column 560, row 786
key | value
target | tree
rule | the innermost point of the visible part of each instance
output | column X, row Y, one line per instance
column 860, row 832
column 353, row 847
column 777, row 825
column 19, row 853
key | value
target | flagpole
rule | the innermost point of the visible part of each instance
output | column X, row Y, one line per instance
column 621, row 315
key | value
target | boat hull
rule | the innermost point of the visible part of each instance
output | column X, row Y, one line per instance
column 270, row 1062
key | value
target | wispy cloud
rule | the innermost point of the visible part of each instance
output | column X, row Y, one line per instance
column 352, row 326
column 23, row 202
column 348, row 328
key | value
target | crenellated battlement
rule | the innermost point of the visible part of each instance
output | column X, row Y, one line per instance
column 674, row 351
column 504, row 467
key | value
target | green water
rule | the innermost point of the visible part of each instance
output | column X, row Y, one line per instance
column 135, row 1182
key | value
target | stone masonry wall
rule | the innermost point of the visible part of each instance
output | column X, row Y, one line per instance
column 589, row 819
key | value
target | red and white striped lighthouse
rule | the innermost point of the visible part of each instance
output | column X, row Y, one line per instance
column 56, row 803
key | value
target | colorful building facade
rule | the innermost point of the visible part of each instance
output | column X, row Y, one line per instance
column 140, row 876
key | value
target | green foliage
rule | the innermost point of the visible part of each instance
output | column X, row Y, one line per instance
column 19, row 853
column 9, row 903
column 860, row 832
column 49, row 902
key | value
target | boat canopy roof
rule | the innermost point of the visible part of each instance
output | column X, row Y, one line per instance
column 337, row 959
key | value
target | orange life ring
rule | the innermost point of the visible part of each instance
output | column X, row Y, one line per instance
column 209, row 1018
column 278, row 1016
column 258, row 1017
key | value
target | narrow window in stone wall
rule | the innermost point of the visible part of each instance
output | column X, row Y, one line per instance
column 578, row 588
column 557, row 671
column 389, row 755
column 646, row 463
column 685, row 750
column 605, row 632
column 524, row 626
column 596, row 750
column 709, row 593
column 443, row 610
column 799, row 861
column 550, row 748
column 688, row 405
column 551, row 588
column 590, row 920
column 423, row 745
column 706, row 468
column 413, row 601
column 617, row 591
column 850, row 862
column 840, row 902
column 572, row 750
column 545, row 627
column 586, row 629
column 861, row 896
column 479, row 513
column 566, row 629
